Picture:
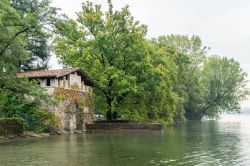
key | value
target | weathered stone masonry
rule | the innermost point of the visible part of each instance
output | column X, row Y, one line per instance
column 73, row 108
column 71, row 91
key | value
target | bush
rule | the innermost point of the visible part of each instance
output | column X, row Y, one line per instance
column 41, row 120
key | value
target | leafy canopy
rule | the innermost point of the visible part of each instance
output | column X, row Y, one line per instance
column 164, row 78
column 109, row 46
column 226, row 86
column 25, row 27
column 22, row 25
column 208, row 85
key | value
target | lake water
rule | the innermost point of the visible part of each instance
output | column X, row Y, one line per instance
column 222, row 142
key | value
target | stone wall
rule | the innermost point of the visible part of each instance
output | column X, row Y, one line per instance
column 72, row 108
column 11, row 126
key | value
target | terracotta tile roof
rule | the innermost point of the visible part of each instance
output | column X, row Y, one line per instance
column 47, row 73
column 55, row 73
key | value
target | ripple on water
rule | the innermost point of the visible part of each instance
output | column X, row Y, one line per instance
column 209, row 143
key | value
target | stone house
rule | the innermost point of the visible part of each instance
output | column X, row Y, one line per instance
column 69, row 84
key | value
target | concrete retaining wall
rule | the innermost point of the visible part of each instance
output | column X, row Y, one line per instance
column 124, row 126
column 11, row 126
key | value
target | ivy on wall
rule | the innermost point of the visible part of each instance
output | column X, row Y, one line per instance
column 79, row 98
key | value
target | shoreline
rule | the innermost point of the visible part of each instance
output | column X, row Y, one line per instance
column 31, row 134
column 91, row 128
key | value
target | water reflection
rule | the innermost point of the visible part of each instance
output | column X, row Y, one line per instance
column 223, row 142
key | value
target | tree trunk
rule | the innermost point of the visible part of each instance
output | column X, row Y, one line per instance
column 109, row 100
column 109, row 113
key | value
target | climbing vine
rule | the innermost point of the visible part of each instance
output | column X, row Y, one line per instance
column 79, row 98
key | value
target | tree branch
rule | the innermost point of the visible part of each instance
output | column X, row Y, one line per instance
column 8, row 43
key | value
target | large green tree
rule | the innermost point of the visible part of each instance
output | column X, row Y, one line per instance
column 25, row 27
column 109, row 46
column 225, row 87
column 164, row 78
column 155, row 98
column 189, row 54
column 21, row 22
column 128, row 71
column 207, row 85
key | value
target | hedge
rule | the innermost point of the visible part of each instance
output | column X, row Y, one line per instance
column 11, row 126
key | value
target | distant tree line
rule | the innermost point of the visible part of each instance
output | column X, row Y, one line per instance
column 168, row 78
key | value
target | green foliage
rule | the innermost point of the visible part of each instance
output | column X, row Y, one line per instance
column 25, row 30
column 130, row 74
column 42, row 120
column 22, row 27
column 110, row 44
column 155, row 97
column 23, row 100
column 188, row 54
column 163, row 79
column 207, row 85
column 225, row 86
column 18, row 25
column 141, row 80
column 75, row 96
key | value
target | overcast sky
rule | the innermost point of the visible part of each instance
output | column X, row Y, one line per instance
column 224, row 25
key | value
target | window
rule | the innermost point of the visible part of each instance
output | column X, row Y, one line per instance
column 38, row 82
column 48, row 82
